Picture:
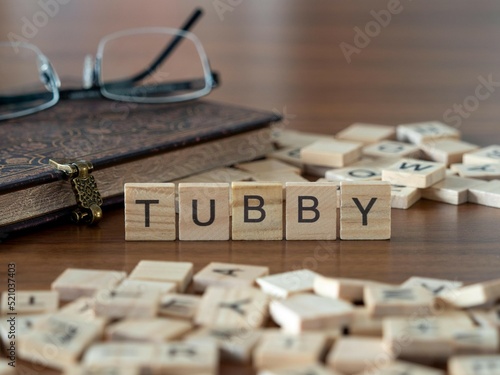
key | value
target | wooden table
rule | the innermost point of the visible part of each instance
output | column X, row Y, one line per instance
column 286, row 55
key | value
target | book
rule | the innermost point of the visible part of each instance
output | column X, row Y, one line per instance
column 125, row 142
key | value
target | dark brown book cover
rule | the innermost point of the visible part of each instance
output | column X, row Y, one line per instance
column 121, row 140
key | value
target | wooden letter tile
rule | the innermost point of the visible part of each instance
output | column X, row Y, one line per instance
column 192, row 357
column 59, row 342
column 203, row 213
column 278, row 349
column 387, row 301
column 403, row 197
column 228, row 275
column 6, row 369
column 310, row 312
column 294, row 138
column 435, row 286
column 30, row 302
column 446, row 151
column 481, row 171
column 351, row 355
column 19, row 325
column 123, row 354
column 421, row 132
column 365, row 210
column 392, row 149
column 332, row 153
column 474, row 364
column 242, row 307
column 268, row 165
column 376, row 163
column 101, row 370
column 176, row 358
column 311, row 211
column 451, row 190
column 486, row 155
column 257, row 211
column 487, row 194
column 150, row 212
column 419, row 338
column 473, row 295
column 117, row 304
column 179, row 273
column 487, row 318
column 363, row 324
column 74, row 283
column 183, row 306
column 147, row 330
column 343, row 288
column 235, row 344
column 358, row 173
column 282, row 285
column 82, row 308
column 416, row 173
column 405, row 368
column 288, row 155
column 315, row 170
column 483, row 340
column 278, row 176
column 162, row 287
column 309, row 369
column 366, row 133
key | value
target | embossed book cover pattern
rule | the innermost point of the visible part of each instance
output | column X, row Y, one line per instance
column 107, row 133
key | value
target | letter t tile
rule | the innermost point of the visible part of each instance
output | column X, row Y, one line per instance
column 150, row 212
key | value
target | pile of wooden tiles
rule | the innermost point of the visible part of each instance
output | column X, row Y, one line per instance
column 427, row 160
column 293, row 323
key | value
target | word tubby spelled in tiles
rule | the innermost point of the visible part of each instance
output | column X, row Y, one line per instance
column 255, row 210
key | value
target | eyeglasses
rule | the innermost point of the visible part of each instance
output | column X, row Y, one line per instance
column 29, row 83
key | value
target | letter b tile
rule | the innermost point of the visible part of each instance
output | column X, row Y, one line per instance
column 365, row 211
column 311, row 211
column 257, row 211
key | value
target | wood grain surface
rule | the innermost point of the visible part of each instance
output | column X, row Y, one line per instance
column 285, row 55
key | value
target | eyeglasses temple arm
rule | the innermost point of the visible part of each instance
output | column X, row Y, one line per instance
column 169, row 49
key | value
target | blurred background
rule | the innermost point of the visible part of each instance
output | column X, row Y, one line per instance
column 323, row 64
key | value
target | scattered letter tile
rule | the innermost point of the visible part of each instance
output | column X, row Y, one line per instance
column 282, row 285
column 241, row 307
column 310, row 312
column 74, row 283
column 228, row 274
column 179, row 273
